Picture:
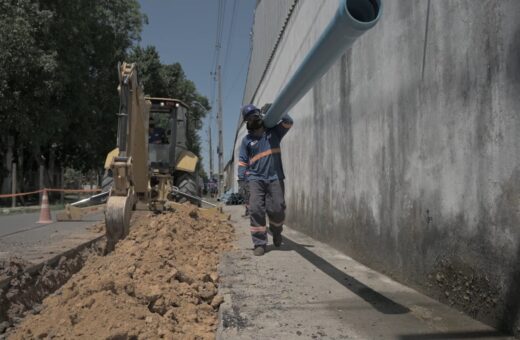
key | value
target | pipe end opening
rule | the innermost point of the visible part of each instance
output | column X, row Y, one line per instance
column 363, row 10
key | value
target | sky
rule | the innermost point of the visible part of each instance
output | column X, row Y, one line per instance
column 185, row 31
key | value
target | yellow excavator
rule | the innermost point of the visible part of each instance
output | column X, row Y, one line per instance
column 151, row 163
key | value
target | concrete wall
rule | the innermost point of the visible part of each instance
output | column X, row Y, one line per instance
column 406, row 155
column 272, row 17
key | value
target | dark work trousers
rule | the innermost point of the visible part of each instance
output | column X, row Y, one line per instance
column 266, row 197
column 244, row 191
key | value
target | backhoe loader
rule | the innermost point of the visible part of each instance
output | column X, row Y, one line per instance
column 151, row 163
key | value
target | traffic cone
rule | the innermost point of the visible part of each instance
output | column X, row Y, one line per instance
column 45, row 211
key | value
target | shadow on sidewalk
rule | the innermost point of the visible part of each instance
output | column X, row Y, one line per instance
column 453, row 335
column 377, row 300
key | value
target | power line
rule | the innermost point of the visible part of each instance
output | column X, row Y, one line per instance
column 218, row 44
column 242, row 68
column 230, row 38
column 220, row 29
column 216, row 53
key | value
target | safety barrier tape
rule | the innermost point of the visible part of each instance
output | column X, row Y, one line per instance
column 20, row 194
column 74, row 190
column 53, row 190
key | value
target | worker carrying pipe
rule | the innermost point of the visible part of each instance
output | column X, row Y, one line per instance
column 260, row 168
column 260, row 164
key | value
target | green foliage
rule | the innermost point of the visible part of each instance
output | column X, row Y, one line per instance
column 58, row 78
column 169, row 80
column 58, row 75
column 75, row 179
column 27, row 66
column 91, row 37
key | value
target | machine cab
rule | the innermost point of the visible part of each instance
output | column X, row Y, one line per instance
column 166, row 133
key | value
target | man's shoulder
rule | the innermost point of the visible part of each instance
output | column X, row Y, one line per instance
column 245, row 141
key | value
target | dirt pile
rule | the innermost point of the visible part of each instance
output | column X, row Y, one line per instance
column 160, row 282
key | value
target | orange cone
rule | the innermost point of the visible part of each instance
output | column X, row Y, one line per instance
column 45, row 211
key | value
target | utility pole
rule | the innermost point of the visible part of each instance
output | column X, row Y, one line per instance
column 210, row 150
column 209, row 138
column 220, row 150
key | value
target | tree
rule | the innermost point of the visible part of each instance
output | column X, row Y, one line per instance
column 27, row 68
column 58, row 77
column 91, row 37
column 160, row 80
column 149, row 69
column 27, row 76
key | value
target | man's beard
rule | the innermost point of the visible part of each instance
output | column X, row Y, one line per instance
column 255, row 124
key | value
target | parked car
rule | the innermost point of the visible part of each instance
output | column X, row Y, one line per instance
column 234, row 199
column 224, row 196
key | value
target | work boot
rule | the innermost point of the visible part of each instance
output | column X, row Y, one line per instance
column 259, row 250
column 277, row 240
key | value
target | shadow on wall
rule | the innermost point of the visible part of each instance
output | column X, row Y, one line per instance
column 511, row 313
column 509, row 213
column 378, row 301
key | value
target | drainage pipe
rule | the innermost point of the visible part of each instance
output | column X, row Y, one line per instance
column 352, row 19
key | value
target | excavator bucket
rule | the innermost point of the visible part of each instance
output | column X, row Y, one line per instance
column 117, row 219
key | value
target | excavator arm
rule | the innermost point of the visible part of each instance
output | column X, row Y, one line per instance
column 130, row 165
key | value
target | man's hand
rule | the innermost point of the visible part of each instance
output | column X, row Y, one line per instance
column 265, row 108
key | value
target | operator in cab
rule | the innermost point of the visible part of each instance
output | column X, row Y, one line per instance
column 156, row 135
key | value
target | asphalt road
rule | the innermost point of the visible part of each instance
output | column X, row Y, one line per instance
column 22, row 237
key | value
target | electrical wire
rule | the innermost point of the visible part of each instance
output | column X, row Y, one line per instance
column 242, row 68
column 230, row 39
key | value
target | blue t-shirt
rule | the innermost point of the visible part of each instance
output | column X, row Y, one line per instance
column 260, row 157
column 156, row 136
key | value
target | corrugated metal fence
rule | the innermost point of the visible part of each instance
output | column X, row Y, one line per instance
column 271, row 17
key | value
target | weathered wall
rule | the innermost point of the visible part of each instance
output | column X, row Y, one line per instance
column 406, row 154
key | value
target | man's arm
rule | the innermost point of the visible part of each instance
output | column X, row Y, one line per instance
column 284, row 125
column 243, row 161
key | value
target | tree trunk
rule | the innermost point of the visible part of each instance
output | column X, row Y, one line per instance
column 21, row 174
column 52, row 167
column 6, row 181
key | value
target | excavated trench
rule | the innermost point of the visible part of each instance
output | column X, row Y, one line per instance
column 23, row 285
column 160, row 282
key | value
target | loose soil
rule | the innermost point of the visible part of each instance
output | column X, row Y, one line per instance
column 12, row 266
column 23, row 285
column 160, row 282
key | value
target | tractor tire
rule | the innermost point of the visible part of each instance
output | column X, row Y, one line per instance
column 187, row 184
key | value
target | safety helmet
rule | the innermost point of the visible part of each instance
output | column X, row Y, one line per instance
column 249, row 109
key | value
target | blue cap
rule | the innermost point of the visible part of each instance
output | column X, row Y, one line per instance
column 249, row 109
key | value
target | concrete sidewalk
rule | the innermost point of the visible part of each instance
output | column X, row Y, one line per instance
column 307, row 290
